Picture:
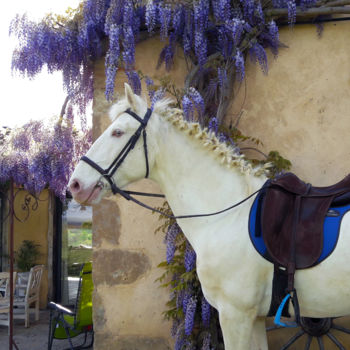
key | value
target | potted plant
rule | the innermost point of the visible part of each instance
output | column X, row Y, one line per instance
column 25, row 258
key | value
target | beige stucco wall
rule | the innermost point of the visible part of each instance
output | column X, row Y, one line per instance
column 128, row 304
column 300, row 109
column 32, row 222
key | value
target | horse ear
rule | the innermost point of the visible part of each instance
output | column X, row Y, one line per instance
column 129, row 95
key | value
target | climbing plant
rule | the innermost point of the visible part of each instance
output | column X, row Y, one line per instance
column 38, row 155
column 217, row 38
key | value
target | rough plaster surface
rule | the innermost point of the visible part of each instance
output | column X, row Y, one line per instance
column 107, row 341
column 34, row 227
column 301, row 108
column 119, row 266
column 106, row 218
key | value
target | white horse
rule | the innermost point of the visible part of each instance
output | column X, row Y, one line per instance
column 198, row 174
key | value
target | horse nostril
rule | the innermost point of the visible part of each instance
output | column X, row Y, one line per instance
column 75, row 186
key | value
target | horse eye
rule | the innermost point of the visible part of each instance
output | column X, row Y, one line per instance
column 117, row 133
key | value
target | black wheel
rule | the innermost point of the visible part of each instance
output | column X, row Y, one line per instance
column 315, row 330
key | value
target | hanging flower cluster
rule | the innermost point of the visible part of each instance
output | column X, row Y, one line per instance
column 215, row 36
column 195, row 322
column 37, row 156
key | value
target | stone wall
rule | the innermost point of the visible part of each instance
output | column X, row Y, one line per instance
column 128, row 303
column 301, row 108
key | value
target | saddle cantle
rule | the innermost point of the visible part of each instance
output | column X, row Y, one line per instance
column 292, row 218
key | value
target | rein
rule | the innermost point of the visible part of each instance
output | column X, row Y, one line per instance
column 111, row 170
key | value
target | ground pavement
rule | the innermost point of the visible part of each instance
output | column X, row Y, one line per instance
column 33, row 338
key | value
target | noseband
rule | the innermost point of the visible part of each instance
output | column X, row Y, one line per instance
column 111, row 170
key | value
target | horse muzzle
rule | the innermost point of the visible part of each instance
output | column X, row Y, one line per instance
column 85, row 194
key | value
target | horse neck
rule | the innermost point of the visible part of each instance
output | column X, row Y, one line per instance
column 193, row 180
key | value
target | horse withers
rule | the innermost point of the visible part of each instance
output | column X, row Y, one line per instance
column 176, row 154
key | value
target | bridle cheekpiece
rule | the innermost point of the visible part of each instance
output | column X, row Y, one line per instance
column 111, row 170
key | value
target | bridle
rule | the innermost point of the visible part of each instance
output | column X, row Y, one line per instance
column 109, row 172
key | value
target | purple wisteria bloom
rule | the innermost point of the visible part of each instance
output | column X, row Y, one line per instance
column 235, row 27
column 167, row 53
column 200, row 11
column 213, row 125
column 189, row 258
column 134, row 81
column 21, row 141
column 186, row 298
column 240, row 65
column 187, row 107
column 129, row 47
column 206, row 312
column 248, row 10
column 273, row 37
column 206, row 342
column 111, row 72
column 258, row 53
column 151, row 16
column 111, row 60
column 178, row 20
column 36, row 156
column 189, row 315
column 179, row 338
column 197, row 101
column 165, row 14
column 174, row 327
column 188, row 35
column 170, row 240
column 222, row 9
column 304, row 4
column 292, row 11
column 150, row 87
column 158, row 95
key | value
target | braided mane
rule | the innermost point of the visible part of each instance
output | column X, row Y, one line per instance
column 222, row 151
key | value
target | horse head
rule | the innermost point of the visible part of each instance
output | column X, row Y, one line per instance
column 121, row 155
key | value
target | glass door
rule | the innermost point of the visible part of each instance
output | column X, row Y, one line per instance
column 75, row 247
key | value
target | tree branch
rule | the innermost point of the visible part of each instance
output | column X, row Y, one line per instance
column 335, row 3
column 308, row 12
column 254, row 149
column 190, row 76
column 64, row 106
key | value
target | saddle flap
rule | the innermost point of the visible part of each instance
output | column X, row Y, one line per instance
column 278, row 215
column 291, row 183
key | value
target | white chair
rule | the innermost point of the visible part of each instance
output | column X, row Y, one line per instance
column 23, row 304
column 5, row 297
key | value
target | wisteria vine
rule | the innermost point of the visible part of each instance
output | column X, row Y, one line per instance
column 38, row 155
column 216, row 37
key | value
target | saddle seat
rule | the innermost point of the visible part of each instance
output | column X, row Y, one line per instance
column 292, row 219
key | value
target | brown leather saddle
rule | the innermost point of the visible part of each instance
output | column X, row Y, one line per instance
column 292, row 219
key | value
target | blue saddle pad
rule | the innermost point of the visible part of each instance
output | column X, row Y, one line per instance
column 331, row 228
